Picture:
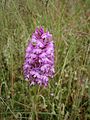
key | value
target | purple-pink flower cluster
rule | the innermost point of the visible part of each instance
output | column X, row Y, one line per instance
column 39, row 58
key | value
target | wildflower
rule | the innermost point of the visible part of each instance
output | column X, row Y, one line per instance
column 39, row 58
column 52, row 94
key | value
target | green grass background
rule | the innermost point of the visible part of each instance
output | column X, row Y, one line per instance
column 67, row 96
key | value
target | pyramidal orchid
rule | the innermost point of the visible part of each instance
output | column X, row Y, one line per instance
column 39, row 58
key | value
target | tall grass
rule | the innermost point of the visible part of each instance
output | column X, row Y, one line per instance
column 67, row 96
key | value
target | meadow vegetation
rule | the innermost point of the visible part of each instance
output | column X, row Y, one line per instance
column 67, row 96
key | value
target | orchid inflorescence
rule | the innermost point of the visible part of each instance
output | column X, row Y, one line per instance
column 39, row 58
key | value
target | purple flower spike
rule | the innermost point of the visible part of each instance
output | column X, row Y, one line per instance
column 39, row 59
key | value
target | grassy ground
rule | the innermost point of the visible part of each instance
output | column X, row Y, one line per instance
column 68, row 93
